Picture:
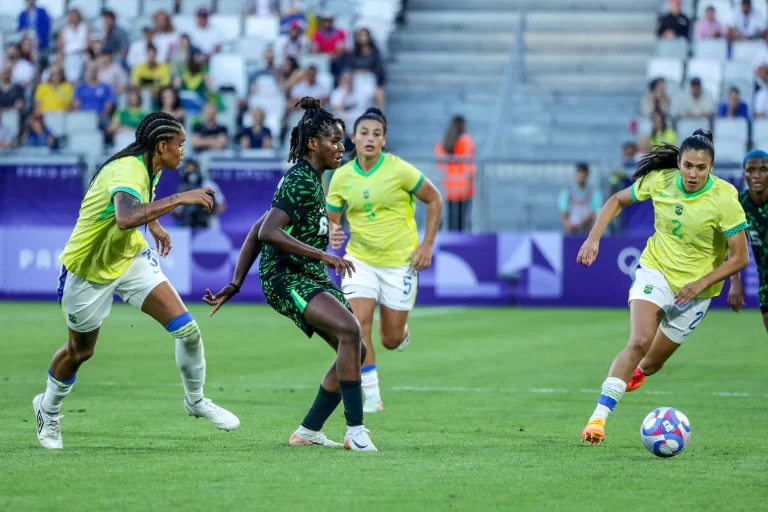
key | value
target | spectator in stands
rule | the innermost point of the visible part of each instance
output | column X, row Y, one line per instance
column 28, row 52
column 208, row 134
column 194, row 77
column 164, row 36
column 268, row 69
column 661, row 133
column 194, row 216
column 366, row 58
column 35, row 22
column 310, row 86
column 348, row 102
column 293, row 15
column 151, row 75
column 171, row 104
column 137, row 53
column 734, row 107
column 261, row 7
column 11, row 94
column 459, row 174
column 761, row 103
column 294, row 44
column 112, row 74
column 331, row 41
column 674, row 23
column 629, row 155
column 204, row 36
column 22, row 71
column 656, row 99
column 180, row 53
column 36, row 134
column 257, row 136
column 708, row 27
column 6, row 135
column 579, row 203
column 54, row 95
column 698, row 103
column 129, row 117
column 761, row 60
column 73, row 41
column 94, row 96
column 747, row 23
column 290, row 75
column 115, row 39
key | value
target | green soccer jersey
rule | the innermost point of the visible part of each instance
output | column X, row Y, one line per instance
column 757, row 218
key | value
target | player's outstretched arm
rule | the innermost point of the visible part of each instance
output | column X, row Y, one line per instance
column 273, row 232
column 612, row 208
column 131, row 213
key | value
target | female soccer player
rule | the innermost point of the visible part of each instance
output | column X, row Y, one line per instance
column 377, row 189
column 107, row 254
column 697, row 219
column 294, row 235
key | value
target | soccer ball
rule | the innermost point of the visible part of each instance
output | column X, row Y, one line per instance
column 665, row 432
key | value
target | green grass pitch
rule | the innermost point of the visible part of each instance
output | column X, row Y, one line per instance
column 483, row 412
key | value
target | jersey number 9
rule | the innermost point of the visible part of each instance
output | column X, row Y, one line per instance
column 369, row 208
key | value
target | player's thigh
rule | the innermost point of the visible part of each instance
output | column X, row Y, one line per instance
column 649, row 299
column 363, row 283
column 363, row 310
column 145, row 287
column 398, row 287
column 84, row 304
column 679, row 323
column 330, row 314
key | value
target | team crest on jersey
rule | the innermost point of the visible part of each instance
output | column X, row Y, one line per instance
column 366, row 194
column 73, row 319
column 648, row 289
column 679, row 209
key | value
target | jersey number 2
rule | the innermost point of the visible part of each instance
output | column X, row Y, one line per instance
column 678, row 225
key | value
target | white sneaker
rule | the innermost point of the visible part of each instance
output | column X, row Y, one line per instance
column 359, row 441
column 48, row 428
column 371, row 406
column 309, row 438
column 404, row 344
column 220, row 417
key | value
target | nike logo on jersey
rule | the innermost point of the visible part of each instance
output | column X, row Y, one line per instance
column 662, row 194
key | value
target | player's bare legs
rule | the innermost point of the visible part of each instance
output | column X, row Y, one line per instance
column 765, row 321
column 164, row 305
column 78, row 349
column 661, row 350
column 393, row 328
column 645, row 318
column 364, row 309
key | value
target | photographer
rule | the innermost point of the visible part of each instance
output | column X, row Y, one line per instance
column 194, row 216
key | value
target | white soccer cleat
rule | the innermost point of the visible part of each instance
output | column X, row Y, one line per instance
column 359, row 441
column 309, row 438
column 220, row 417
column 371, row 406
column 404, row 344
column 48, row 428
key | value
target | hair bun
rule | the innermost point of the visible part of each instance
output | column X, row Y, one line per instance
column 375, row 111
column 704, row 133
column 308, row 103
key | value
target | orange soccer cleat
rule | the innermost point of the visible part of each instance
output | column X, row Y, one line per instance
column 637, row 380
column 594, row 432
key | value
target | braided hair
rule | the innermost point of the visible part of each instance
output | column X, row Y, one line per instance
column 315, row 122
column 667, row 156
column 154, row 128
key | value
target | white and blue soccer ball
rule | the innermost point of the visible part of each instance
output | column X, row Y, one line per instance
column 665, row 432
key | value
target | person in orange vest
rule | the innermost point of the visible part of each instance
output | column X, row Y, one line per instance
column 459, row 176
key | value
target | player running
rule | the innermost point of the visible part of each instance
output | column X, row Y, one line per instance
column 377, row 189
column 294, row 278
column 697, row 219
column 106, row 254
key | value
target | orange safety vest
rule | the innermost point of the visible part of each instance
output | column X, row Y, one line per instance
column 459, row 177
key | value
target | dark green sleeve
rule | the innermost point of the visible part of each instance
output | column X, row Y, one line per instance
column 295, row 196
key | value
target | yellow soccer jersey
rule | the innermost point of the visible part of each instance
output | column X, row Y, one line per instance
column 380, row 209
column 97, row 250
column 691, row 229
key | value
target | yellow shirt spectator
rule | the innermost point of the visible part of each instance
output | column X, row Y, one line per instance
column 151, row 74
column 53, row 97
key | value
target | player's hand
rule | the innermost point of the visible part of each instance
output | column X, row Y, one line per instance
column 421, row 257
column 588, row 252
column 736, row 296
column 200, row 196
column 342, row 266
column 163, row 243
column 687, row 293
column 220, row 298
column 337, row 237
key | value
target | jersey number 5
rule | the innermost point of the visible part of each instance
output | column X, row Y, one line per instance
column 678, row 225
column 369, row 208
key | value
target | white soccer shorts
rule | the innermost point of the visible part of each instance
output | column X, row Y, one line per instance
column 86, row 304
column 391, row 287
column 678, row 323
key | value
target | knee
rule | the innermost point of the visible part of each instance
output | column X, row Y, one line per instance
column 79, row 353
column 349, row 332
column 184, row 328
column 390, row 342
column 640, row 343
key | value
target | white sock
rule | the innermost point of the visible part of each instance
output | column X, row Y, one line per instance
column 612, row 391
column 370, row 383
column 190, row 358
column 352, row 430
column 55, row 392
column 304, row 432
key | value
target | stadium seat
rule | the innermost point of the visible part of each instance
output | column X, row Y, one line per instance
column 147, row 101
column 383, row 9
column 320, row 60
column 686, row 127
column 229, row 27
column 190, row 7
column 760, row 133
column 55, row 8
column 729, row 151
column 56, row 122
column 124, row 10
column 709, row 71
column 365, row 80
column 78, row 122
column 732, row 130
column 266, row 85
column 124, row 138
column 11, row 8
column 669, row 69
column 150, row 7
column 228, row 70
column 252, row 48
column 713, row 49
column 91, row 143
column 10, row 119
column 230, row 7
column 738, row 71
column 672, row 48
column 264, row 27
column 746, row 51
column 723, row 10
column 184, row 24
column 90, row 9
